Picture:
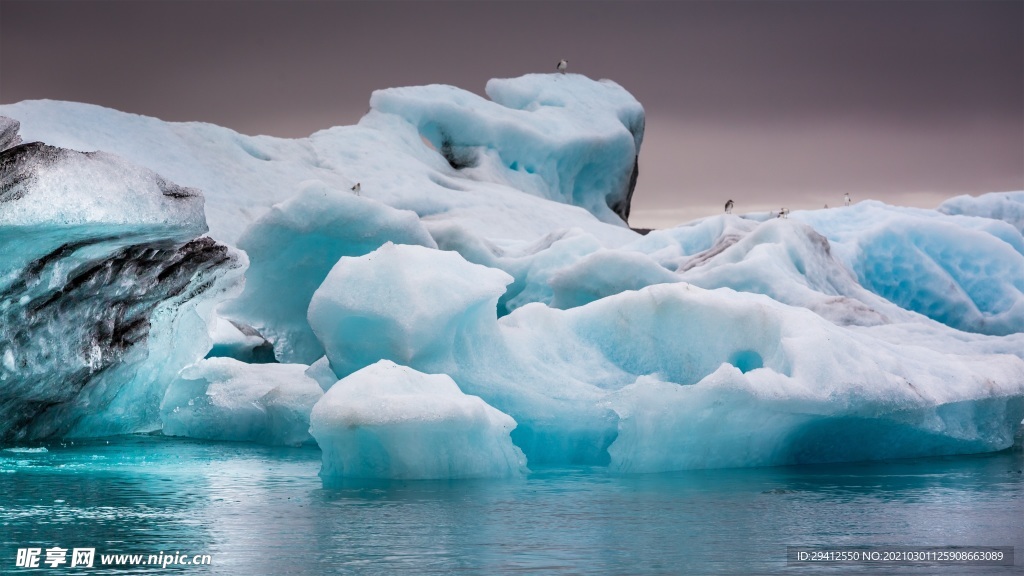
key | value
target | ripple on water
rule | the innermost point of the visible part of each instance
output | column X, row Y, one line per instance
column 262, row 510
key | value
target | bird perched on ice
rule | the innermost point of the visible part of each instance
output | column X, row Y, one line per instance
column 846, row 199
column 562, row 65
column 357, row 188
column 728, row 206
column 783, row 213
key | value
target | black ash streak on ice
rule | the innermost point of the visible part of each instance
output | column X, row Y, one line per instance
column 85, row 306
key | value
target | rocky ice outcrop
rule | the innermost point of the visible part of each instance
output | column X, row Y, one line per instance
column 102, row 269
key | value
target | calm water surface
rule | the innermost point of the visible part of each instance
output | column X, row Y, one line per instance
column 260, row 510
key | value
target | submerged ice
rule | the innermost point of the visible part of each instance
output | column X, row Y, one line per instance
column 477, row 304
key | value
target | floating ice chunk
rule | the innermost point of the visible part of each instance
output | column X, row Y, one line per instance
column 293, row 247
column 403, row 303
column 390, row 421
column 763, row 418
column 224, row 399
column 21, row 450
column 798, row 375
column 559, row 373
column 111, row 292
column 435, row 311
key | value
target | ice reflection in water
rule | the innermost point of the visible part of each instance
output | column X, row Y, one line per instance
column 263, row 510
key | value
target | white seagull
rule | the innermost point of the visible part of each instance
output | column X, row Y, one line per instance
column 846, row 199
column 357, row 188
column 728, row 207
column 562, row 65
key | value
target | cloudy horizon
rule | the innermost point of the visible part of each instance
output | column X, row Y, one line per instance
column 778, row 103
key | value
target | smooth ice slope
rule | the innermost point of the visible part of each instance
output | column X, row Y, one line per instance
column 224, row 399
column 605, row 273
column 390, row 421
column 1005, row 206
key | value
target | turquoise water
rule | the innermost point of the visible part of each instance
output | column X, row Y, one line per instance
column 258, row 510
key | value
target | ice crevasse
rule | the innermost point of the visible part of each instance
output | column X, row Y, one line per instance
column 477, row 304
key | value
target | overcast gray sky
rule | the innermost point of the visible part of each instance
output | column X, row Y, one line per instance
column 770, row 103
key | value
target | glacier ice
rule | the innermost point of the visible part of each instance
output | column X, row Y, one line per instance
column 605, row 273
column 295, row 245
column 226, row 399
column 1005, row 206
column 792, row 263
column 102, row 270
column 9, row 136
column 483, row 275
column 967, row 273
column 532, row 266
column 322, row 372
column 555, row 371
column 401, row 302
column 536, row 133
column 389, row 421
column 242, row 177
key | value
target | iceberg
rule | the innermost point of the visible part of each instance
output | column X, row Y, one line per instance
column 477, row 303
column 568, row 377
column 390, row 421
